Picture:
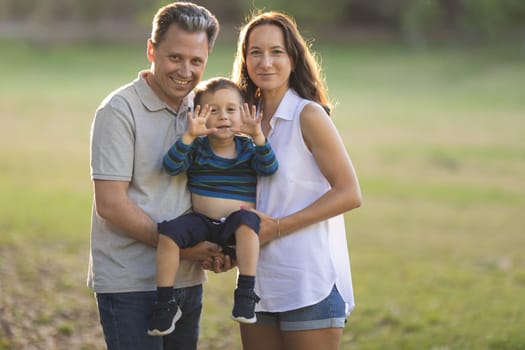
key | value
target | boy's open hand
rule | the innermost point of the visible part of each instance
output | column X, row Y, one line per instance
column 197, row 124
column 251, row 124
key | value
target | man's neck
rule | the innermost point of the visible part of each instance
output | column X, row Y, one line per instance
column 175, row 105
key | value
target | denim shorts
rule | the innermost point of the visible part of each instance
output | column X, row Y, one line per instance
column 328, row 313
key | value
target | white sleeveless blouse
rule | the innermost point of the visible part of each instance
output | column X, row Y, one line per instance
column 299, row 269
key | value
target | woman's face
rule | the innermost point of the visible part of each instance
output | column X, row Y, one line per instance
column 267, row 61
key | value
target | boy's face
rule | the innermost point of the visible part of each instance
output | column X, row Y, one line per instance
column 224, row 110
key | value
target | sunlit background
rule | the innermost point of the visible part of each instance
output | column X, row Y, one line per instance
column 429, row 98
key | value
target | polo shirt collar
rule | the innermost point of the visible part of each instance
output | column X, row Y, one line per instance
column 153, row 103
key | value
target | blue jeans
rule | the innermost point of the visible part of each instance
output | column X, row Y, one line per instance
column 124, row 319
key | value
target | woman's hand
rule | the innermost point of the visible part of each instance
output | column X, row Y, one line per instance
column 269, row 229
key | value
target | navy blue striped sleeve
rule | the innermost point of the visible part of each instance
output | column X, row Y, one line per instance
column 178, row 158
column 264, row 161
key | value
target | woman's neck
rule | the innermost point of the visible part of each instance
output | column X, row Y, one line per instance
column 270, row 103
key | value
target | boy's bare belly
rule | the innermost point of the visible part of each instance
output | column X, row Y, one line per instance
column 217, row 208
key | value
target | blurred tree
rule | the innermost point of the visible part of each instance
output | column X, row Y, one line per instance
column 14, row 10
column 493, row 18
column 417, row 21
column 307, row 13
column 422, row 18
column 52, row 11
column 226, row 11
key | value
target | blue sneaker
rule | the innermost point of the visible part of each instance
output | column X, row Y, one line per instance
column 163, row 317
column 244, row 306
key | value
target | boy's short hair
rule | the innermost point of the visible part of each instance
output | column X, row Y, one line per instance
column 213, row 85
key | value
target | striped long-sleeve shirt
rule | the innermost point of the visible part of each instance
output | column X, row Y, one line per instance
column 214, row 176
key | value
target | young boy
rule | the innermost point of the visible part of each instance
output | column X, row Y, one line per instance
column 222, row 170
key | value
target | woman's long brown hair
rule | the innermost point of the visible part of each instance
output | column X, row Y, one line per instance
column 306, row 78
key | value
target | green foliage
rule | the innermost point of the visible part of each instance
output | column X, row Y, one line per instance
column 308, row 13
column 418, row 21
column 468, row 19
column 493, row 17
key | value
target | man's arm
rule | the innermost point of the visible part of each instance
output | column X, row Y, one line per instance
column 113, row 204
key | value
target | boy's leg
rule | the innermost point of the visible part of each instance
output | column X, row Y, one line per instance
column 241, row 229
column 165, row 311
column 245, row 300
column 247, row 251
column 182, row 232
column 168, row 256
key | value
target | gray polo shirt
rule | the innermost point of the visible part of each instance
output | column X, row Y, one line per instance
column 131, row 132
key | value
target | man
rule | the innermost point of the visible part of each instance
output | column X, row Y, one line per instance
column 132, row 130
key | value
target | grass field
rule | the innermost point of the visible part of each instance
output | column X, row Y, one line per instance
column 437, row 250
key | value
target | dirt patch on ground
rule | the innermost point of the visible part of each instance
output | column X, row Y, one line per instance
column 44, row 303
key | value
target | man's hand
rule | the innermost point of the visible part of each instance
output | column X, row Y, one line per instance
column 201, row 251
column 209, row 255
column 218, row 264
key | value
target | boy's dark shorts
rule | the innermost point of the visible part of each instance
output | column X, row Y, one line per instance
column 190, row 229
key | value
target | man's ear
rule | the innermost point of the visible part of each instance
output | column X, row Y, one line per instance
column 150, row 50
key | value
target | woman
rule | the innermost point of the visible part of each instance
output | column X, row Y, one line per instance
column 303, row 276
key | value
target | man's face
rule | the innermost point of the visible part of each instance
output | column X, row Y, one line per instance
column 178, row 63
